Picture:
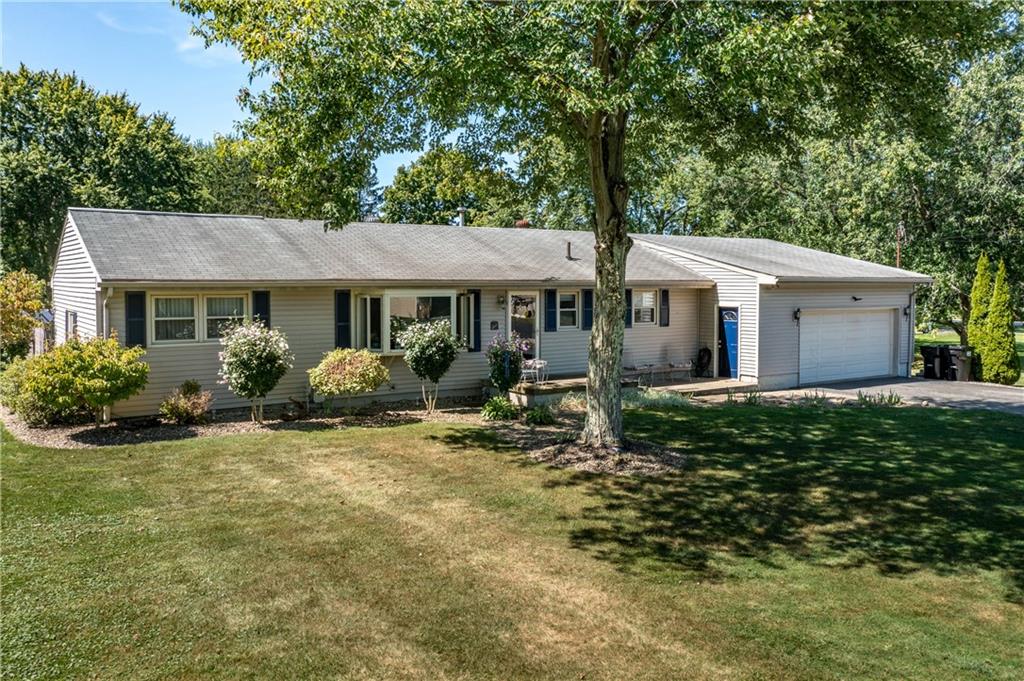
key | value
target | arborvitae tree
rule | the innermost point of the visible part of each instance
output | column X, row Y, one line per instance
column 981, row 292
column 1001, row 364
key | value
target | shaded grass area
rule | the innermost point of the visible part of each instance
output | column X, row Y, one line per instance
column 952, row 338
column 797, row 543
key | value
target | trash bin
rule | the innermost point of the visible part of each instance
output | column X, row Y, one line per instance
column 963, row 356
column 932, row 368
column 947, row 365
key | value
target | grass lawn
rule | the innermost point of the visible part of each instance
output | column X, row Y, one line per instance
column 952, row 338
column 799, row 543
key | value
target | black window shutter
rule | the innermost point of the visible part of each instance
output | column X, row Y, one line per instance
column 588, row 309
column 629, row 308
column 135, row 318
column 343, row 318
column 475, row 292
column 550, row 309
column 261, row 307
column 663, row 313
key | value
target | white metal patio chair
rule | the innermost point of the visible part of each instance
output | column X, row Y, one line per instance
column 535, row 370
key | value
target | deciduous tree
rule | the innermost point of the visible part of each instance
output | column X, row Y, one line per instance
column 64, row 144
column 433, row 188
column 21, row 298
column 353, row 80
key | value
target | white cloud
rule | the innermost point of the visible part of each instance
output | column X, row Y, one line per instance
column 193, row 50
column 115, row 24
column 190, row 48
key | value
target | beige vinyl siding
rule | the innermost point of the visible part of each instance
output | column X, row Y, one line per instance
column 566, row 350
column 732, row 289
column 73, row 284
column 780, row 334
column 306, row 316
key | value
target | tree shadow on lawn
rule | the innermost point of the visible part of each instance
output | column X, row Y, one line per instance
column 898, row 489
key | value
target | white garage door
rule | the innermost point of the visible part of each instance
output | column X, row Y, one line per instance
column 845, row 344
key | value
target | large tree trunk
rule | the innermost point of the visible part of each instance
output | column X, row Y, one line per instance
column 606, row 138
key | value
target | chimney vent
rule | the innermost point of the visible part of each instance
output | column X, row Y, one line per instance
column 462, row 215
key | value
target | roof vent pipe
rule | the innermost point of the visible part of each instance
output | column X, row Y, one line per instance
column 462, row 215
column 568, row 250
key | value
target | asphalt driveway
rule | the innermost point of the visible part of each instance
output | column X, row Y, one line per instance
column 940, row 393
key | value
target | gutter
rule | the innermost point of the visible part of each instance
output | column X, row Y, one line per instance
column 856, row 280
column 376, row 283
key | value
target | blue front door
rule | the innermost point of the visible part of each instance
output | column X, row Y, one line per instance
column 728, row 342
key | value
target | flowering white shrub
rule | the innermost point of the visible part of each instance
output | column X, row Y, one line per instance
column 253, row 361
column 430, row 350
column 345, row 372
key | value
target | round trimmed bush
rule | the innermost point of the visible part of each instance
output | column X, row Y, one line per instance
column 346, row 372
column 430, row 351
column 253, row 361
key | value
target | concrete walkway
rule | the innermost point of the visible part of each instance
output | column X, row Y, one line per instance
column 918, row 390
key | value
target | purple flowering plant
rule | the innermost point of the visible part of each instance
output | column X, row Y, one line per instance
column 505, row 359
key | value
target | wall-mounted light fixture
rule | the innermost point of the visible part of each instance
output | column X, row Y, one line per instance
column 501, row 300
column 906, row 310
column 796, row 315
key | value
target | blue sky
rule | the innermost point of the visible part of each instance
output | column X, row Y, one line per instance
column 144, row 49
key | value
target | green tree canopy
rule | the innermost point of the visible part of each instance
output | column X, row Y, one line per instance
column 610, row 81
column 433, row 188
column 64, row 144
column 228, row 180
column 955, row 189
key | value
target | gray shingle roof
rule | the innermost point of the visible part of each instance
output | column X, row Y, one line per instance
column 173, row 247
column 784, row 261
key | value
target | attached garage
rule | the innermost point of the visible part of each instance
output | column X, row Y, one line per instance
column 838, row 345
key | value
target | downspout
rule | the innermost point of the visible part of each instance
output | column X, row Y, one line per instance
column 107, row 292
column 911, row 323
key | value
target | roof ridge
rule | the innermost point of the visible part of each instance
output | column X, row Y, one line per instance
column 164, row 212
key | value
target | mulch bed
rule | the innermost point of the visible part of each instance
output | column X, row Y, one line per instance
column 554, row 445
column 224, row 422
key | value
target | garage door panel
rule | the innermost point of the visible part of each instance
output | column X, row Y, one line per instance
column 843, row 345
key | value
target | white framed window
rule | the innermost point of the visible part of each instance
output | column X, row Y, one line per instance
column 174, row 318
column 222, row 310
column 568, row 310
column 179, row 317
column 645, row 307
column 70, row 324
column 405, row 308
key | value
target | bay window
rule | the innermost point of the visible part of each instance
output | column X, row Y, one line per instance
column 405, row 310
column 371, row 316
column 464, row 326
column 381, row 317
column 645, row 307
